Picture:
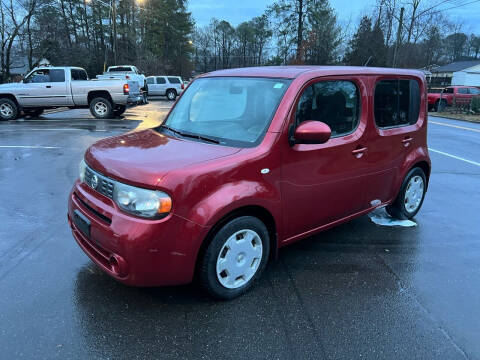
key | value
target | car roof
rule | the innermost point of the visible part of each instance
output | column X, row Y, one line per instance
column 291, row 72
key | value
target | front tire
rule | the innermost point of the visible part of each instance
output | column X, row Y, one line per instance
column 101, row 108
column 235, row 258
column 8, row 109
column 410, row 198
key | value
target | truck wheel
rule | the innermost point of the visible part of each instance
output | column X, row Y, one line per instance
column 171, row 94
column 410, row 198
column 33, row 112
column 119, row 110
column 101, row 108
column 235, row 258
column 8, row 109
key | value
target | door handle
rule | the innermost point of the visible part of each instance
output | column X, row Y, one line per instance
column 359, row 151
column 406, row 142
column 48, row 86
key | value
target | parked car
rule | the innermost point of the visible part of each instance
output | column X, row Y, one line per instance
column 438, row 100
column 52, row 87
column 127, row 72
column 169, row 86
column 247, row 161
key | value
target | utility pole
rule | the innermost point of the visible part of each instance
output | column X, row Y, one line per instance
column 114, row 15
column 399, row 37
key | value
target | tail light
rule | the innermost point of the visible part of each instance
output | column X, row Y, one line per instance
column 126, row 89
column 127, row 77
column 183, row 86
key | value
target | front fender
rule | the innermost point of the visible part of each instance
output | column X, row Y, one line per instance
column 233, row 196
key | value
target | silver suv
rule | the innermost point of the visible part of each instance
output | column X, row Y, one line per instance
column 169, row 86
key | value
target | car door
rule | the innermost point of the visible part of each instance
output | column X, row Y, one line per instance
column 396, row 110
column 152, row 86
column 161, row 85
column 44, row 88
column 323, row 183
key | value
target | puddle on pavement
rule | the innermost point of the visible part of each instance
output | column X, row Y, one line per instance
column 380, row 217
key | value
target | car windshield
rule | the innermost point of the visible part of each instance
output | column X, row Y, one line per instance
column 232, row 111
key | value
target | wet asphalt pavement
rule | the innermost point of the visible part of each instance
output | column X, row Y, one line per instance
column 356, row 291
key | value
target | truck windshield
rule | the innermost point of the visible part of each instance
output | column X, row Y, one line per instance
column 233, row 111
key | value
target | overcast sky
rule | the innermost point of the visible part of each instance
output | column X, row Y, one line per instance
column 236, row 11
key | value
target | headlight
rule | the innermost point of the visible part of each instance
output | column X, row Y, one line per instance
column 142, row 202
column 81, row 170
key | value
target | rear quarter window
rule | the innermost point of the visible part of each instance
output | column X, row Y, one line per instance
column 173, row 80
column 396, row 103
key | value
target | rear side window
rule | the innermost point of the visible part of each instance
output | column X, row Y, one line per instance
column 173, row 80
column 462, row 91
column 336, row 103
column 150, row 81
column 78, row 74
column 161, row 80
column 397, row 103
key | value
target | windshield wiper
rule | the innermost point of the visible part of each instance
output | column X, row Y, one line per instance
column 171, row 129
column 200, row 137
column 189, row 135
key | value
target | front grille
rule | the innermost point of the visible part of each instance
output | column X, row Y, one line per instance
column 99, row 182
column 92, row 210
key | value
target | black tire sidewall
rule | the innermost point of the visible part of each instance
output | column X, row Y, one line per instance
column 397, row 209
column 208, row 271
column 109, row 112
column 15, row 109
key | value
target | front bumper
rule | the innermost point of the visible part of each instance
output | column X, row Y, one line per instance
column 135, row 251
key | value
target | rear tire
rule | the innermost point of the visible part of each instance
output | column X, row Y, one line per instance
column 410, row 197
column 235, row 258
column 171, row 94
column 8, row 109
column 101, row 108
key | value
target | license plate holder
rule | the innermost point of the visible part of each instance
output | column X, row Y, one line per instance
column 82, row 223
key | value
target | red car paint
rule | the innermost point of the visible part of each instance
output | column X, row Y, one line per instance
column 451, row 93
column 308, row 188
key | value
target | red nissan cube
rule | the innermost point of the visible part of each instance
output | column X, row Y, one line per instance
column 247, row 161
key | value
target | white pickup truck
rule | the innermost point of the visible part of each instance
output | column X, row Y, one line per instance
column 53, row 87
column 127, row 72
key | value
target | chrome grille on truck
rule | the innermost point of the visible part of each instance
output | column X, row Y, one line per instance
column 99, row 182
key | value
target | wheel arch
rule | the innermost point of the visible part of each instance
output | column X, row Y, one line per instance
column 99, row 93
column 257, row 211
column 11, row 97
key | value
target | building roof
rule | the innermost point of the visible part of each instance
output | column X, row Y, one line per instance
column 456, row 66
column 295, row 71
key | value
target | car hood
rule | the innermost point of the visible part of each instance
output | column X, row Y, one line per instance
column 12, row 86
column 143, row 158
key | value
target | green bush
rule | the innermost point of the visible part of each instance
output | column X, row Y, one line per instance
column 476, row 104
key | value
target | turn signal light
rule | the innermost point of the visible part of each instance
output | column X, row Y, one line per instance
column 165, row 205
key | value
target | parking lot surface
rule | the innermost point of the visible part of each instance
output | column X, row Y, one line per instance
column 356, row 291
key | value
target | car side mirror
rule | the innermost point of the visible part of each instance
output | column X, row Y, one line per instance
column 312, row 132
